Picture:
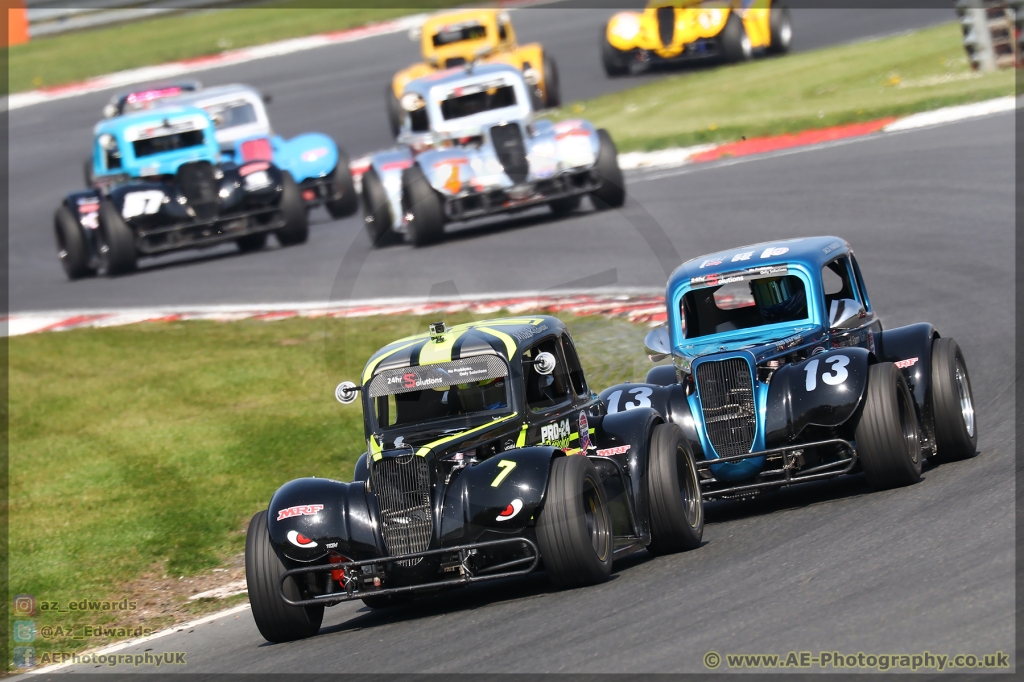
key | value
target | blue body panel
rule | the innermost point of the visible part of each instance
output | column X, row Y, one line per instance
column 307, row 157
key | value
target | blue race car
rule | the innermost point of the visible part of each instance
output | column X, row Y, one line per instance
column 160, row 185
column 244, row 134
column 782, row 373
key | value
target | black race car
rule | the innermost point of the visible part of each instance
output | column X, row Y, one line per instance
column 488, row 456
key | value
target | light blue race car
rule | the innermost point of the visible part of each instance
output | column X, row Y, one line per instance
column 315, row 161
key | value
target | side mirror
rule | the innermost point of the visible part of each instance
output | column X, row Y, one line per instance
column 415, row 33
column 346, row 392
column 544, row 363
column 657, row 344
column 845, row 313
column 267, row 99
column 110, row 111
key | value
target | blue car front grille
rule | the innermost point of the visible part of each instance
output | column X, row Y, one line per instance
column 726, row 392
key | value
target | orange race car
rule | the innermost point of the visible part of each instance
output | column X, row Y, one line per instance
column 684, row 30
column 456, row 38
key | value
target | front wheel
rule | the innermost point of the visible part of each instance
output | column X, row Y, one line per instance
column 344, row 200
column 424, row 204
column 611, row 190
column 574, row 530
column 117, row 241
column 781, row 30
column 552, row 86
column 888, row 435
column 394, row 109
column 736, row 45
column 71, row 245
column 615, row 61
column 376, row 209
column 956, row 426
column 673, row 493
column 293, row 210
column 276, row 620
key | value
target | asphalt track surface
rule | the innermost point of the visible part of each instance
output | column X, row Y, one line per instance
column 338, row 90
column 824, row 567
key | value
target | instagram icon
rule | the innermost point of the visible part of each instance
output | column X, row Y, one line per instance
column 24, row 605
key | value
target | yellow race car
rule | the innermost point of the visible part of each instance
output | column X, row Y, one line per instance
column 684, row 30
column 456, row 38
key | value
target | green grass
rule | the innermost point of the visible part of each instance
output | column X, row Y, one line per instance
column 71, row 57
column 893, row 76
column 144, row 450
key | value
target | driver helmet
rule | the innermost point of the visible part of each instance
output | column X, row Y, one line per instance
column 781, row 299
column 480, row 396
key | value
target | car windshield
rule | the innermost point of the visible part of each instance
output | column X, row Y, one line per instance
column 746, row 299
column 464, row 389
column 476, row 99
column 168, row 143
column 459, row 32
column 232, row 114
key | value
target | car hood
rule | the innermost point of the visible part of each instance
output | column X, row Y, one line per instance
column 760, row 343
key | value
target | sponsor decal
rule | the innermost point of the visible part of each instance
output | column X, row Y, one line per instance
column 299, row 510
column 513, row 508
column 311, row 155
column 618, row 450
column 774, row 251
column 253, row 167
column 717, row 279
column 903, row 364
column 410, row 380
column 529, row 332
column 509, row 444
column 257, row 180
column 459, row 161
column 89, row 212
column 584, row 433
column 300, row 540
column 711, row 261
column 789, row 342
column 742, row 256
column 556, row 434
column 817, row 350
column 831, row 247
column 331, row 545
column 395, row 165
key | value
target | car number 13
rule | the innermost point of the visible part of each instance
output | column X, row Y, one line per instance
column 836, row 376
column 641, row 398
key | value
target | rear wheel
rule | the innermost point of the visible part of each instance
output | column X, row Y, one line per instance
column 888, row 437
column 117, row 241
column 421, row 200
column 394, row 109
column 566, row 205
column 344, row 201
column 276, row 620
column 781, row 28
column 616, row 62
column 611, row 192
column 293, row 210
column 71, row 245
column 673, row 493
column 736, row 46
column 376, row 209
column 552, row 86
column 252, row 242
column 956, row 426
column 574, row 530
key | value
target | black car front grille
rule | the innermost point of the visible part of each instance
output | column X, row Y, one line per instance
column 727, row 399
column 511, row 151
column 666, row 24
column 454, row 61
column 401, row 485
column 196, row 182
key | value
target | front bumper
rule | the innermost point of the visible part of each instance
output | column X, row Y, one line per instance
column 356, row 576
column 787, row 474
column 471, row 204
column 704, row 48
column 151, row 241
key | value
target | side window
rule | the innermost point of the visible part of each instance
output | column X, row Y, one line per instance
column 860, row 283
column 572, row 365
column 837, row 281
column 112, row 159
column 545, row 391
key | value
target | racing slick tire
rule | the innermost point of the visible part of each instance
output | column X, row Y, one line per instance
column 424, row 203
column 386, row 600
column 611, row 192
column 566, row 205
column 552, row 85
column 276, row 621
column 293, row 209
column 574, row 529
column 887, row 431
column 347, row 201
column 117, row 250
column 394, row 108
column 376, row 209
column 736, row 45
column 252, row 242
column 71, row 246
column 673, row 493
column 662, row 375
column 616, row 62
column 956, row 425
column 781, row 29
